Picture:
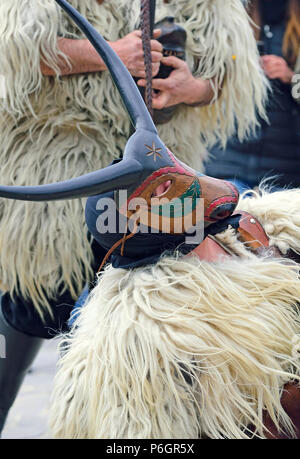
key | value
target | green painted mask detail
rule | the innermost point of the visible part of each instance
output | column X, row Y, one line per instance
column 181, row 206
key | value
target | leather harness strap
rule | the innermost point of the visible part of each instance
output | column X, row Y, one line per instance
column 250, row 232
column 210, row 250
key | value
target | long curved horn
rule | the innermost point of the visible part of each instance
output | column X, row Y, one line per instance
column 129, row 92
column 115, row 177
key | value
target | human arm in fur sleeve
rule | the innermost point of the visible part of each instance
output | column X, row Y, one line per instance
column 28, row 29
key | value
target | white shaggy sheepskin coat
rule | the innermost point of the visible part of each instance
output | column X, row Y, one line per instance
column 53, row 129
column 186, row 348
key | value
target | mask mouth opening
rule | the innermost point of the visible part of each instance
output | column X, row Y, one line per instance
column 162, row 189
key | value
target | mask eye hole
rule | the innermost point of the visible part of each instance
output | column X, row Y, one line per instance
column 162, row 189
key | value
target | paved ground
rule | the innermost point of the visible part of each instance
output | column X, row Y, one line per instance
column 29, row 415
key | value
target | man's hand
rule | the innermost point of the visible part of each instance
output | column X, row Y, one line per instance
column 85, row 59
column 179, row 87
column 130, row 50
column 276, row 67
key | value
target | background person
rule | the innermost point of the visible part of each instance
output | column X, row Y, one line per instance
column 275, row 149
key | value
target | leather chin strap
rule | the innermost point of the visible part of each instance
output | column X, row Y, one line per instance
column 250, row 232
column 210, row 250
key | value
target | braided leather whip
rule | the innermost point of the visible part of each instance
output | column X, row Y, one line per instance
column 147, row 20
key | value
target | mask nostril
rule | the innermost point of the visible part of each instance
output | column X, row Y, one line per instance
column 162, row 189
column 223, row 211
column 223, row 214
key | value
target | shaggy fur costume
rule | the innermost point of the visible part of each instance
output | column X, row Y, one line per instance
column 187, row 348
column 53, row 129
